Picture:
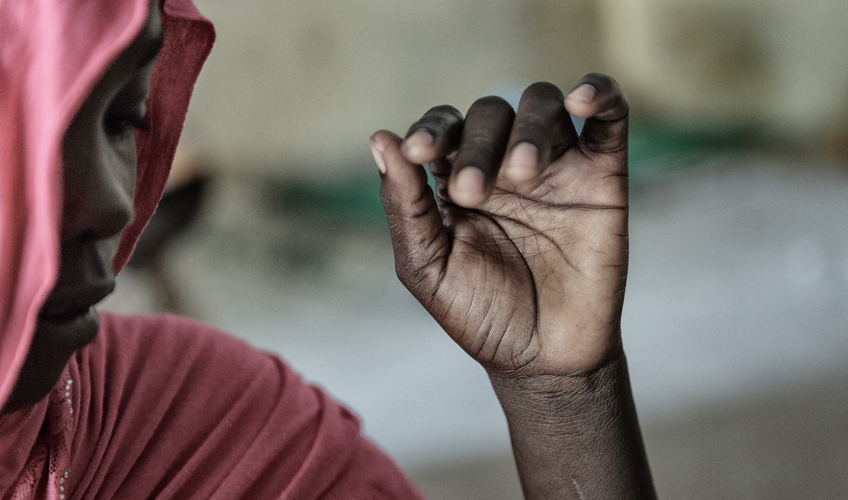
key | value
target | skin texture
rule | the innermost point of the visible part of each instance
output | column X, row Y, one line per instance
column 521, row 256
column 99, row 173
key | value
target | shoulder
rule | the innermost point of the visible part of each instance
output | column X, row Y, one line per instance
column 210, row 416
column 161, row 332
column 171, row 343
column 177, row 358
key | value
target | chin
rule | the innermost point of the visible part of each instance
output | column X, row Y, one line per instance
column 55, row 341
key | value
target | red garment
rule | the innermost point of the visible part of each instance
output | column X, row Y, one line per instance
column 167, row 408
column 156, row 407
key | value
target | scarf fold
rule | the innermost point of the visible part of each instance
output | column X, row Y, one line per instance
column 52, row 52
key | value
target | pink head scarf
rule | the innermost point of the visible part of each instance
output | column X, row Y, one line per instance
column 52, row 52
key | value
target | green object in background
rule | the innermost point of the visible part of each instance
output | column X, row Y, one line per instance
column 655, row 148
column 353, row 201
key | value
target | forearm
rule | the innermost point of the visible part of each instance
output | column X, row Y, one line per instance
column 576, row 437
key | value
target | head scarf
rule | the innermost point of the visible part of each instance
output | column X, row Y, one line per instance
column 52, row 53
column 248, row 427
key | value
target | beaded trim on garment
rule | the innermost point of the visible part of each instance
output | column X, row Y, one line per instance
column 51, row 453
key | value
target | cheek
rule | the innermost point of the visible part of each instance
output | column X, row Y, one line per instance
column 99, row 182
column 106, row 251
column 125, row 163
column 115, row 163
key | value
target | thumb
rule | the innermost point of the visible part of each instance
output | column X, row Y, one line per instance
column 420, row 241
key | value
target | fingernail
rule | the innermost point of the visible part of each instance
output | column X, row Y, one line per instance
column 416, row 144
column 470, row 184
column 585, row 93
column 377, row 151
column 523, row 162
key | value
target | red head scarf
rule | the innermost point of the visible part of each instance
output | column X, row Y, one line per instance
column 52, row 52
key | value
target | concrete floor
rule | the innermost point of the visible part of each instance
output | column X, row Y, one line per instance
column 736, row 328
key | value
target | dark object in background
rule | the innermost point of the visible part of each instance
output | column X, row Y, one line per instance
column 837, row 143
column 177, row 210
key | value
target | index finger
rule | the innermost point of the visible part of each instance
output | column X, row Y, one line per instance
column 600, row 100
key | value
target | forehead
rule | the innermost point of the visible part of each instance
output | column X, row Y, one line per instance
column 138, row 55
column 133, row 64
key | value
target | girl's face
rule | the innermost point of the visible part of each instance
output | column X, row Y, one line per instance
column 99, row 172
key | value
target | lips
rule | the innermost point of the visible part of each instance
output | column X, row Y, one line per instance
column 70, row 301
column 67, row 321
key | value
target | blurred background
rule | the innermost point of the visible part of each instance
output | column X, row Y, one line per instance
column 736, row 318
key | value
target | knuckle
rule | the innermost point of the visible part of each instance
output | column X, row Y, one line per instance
column 444, row 111
column 490, row 102
column 437, row 121
column 477, row 146
column 605, row 84
column 612, row 96
column 541, row 106
column 600, row 78
column 535, row 131
column 543, row 91
column 617, row 109
column 532, row 124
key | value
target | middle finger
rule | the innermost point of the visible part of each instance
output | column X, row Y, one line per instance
column 542, row 131
column 484, row 141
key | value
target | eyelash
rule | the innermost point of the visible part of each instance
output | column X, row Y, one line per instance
column 119, row 127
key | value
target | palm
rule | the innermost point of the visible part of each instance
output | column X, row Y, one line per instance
column 534, row 278
column 530, row 280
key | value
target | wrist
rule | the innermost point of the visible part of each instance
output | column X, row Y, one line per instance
column 576, row 436
column 584, row 397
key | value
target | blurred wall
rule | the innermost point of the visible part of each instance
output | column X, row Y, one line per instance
column 778, row 63
column 296, row 87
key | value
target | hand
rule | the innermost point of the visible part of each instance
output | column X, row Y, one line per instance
column 521, row 256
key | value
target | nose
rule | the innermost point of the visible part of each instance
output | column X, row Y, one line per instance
column 98, row 192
